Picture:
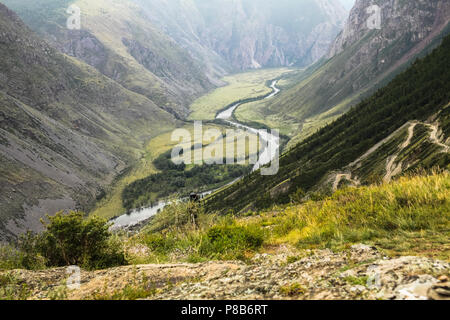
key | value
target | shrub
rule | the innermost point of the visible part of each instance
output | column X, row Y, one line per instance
column 12, row 288
column 30, row 256
column 72, row 240
column 10, row 258
column 293, row 290
column 24, row 256
column 231, row 241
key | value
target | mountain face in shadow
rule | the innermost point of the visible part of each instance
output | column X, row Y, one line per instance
column 66, row 129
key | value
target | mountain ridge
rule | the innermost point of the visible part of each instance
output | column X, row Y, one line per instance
column 360, row 61
column 65, row 127
column 418, row 94
column 116, row 38
column 249, row 34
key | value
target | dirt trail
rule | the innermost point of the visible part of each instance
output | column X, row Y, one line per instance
column 378, row 145
column 435, row 139
column 410, row 135
column 392, row 168
column 346, row 176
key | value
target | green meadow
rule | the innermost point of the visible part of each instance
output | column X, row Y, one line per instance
column 111, row 205
column 239, row 86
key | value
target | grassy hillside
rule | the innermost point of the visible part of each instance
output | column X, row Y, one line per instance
column 67, row 127
column 407, row 217
column 326, row 249
column 418, row 94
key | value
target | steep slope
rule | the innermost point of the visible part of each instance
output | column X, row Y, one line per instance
column 66, row 130
column 119, row 40
column 348, row 4
column 413, row 146
column 250, row 34
column 375, row 127
column 361, row 60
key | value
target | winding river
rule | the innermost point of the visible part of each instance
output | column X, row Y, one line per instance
column 265, row 157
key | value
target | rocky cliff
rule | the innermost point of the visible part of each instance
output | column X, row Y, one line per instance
column 118, row 40
column 405, row 29
column 362, row 59
column 250, row 34
column 418, row 19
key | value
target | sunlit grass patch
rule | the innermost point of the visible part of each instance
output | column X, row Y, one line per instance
column 293, row 290
column 239, row 86
column 256, row 112
column 410, row 216
column 390, row 215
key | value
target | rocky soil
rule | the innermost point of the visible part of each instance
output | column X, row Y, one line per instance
column 361, row 272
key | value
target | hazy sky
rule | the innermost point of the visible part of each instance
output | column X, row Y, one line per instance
column 348, row 4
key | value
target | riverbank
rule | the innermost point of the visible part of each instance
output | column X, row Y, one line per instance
column 111, row 205
column 239, row 86
column 270, row 149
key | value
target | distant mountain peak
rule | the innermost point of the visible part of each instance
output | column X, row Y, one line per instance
column 249, row 34
column 413, row 19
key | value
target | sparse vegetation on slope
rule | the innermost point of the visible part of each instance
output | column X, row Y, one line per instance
column 408, row 216
column 67, row 128
column 418, row 94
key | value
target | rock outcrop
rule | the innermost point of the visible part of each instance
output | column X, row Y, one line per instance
column 406, row 28
column 412, row 21
column 250, row 34
column 362, row 272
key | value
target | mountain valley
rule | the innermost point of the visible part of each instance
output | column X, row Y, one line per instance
column 351, row 108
